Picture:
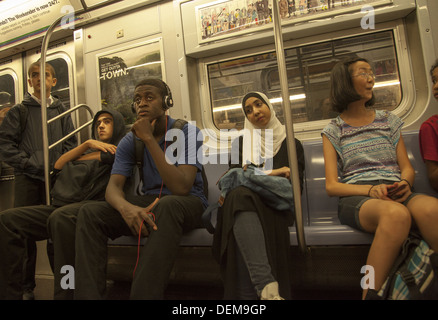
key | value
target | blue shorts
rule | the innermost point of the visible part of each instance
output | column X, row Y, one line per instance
column 348, row 207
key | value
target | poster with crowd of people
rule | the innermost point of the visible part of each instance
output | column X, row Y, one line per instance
column 221, row 18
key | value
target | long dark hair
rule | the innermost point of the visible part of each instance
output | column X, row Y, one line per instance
column 342, row 91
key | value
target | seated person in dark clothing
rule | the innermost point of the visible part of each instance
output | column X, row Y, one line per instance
column 83, row 175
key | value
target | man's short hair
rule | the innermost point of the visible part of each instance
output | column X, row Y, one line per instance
column 157, row 83
column 49, row 67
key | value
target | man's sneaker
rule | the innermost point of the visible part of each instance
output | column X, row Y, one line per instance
column 28, row 294
column 270, row 292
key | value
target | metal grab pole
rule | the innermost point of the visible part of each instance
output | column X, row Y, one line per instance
column 44, row 47
column 291, row 146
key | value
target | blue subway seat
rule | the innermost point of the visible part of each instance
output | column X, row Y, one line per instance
column 321, row 223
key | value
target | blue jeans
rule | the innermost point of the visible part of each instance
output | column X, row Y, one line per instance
column 349, row 207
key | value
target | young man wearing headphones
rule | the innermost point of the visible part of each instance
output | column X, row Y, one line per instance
column 179, row 188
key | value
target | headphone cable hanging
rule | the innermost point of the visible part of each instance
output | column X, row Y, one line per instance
column 151, row 213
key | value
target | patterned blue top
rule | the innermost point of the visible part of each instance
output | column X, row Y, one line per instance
column 368, row 152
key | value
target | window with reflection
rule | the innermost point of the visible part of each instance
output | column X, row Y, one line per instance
column 62, row 88
column 308, row 72
column 7, row 91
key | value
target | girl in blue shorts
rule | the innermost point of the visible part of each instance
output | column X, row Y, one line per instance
column 375, row 174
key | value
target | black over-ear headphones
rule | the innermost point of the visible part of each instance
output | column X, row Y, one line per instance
column 167, row 99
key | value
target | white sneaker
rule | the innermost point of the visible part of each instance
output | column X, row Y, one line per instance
column 270, row 292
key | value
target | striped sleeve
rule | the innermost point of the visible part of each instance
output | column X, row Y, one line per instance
column 396, row 124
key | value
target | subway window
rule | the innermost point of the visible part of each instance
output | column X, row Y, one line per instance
column 308, row 72
column 62, row 88
column 7, row 90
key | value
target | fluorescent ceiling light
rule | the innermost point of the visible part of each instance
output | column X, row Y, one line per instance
column 386, row 84
column 274, row 100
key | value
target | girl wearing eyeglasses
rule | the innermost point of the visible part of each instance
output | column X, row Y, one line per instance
column 375, row 175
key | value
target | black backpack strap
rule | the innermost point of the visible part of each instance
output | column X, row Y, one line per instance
column 139, row 154
column 409, row 279
column 139, row 149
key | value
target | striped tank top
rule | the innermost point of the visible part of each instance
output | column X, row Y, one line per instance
column 368, row 152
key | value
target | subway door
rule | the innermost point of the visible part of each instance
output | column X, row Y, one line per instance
column 11, row 87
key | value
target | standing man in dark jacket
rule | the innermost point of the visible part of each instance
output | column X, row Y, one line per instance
column 21, row 146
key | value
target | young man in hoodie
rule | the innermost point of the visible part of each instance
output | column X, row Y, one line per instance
column 82, row 176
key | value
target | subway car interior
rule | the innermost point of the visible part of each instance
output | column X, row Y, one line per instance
column 211, row 53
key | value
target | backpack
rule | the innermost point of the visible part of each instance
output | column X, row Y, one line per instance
column 80, row 180
column 139, row 154
column 414, row 275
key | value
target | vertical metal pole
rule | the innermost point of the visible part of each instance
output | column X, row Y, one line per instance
column 291, row 147
column 44, row 47
column 81, row 116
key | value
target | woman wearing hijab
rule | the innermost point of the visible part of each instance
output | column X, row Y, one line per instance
column 251, row 240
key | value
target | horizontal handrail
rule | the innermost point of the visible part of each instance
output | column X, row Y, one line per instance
column 76, row 130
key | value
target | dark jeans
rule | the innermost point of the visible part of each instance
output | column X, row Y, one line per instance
column 97, row 221
column 29, row 192
column 20, row 225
